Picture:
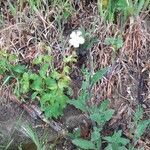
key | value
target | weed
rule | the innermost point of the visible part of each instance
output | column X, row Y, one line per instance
column 99, row 115
column 48, row 85
column 34, row 137
column 109, row 10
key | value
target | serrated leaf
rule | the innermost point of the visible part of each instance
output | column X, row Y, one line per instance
column 38, row 60
column 51, row 83
column 33, row 76
column 78, row 104
column 117, row 139
column 62, row 84
column 37, row 84
column 141, row 128
column 56, row 75
column 98, row 75
column 25, row 83
column 47, row 58
column 85, row 144
column 43, row 70
column 102, row 117
column 19, row 68
column 104, row 105
column 95, row 134
column 138, row 114
column 66, row 70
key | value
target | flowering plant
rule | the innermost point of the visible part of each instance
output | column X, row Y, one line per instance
column 76, row 39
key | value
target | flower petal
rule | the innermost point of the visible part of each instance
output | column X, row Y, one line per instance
column 71, row 41
column 73, row 35
column 79, row 33
column 81, row 40
column 76, row 44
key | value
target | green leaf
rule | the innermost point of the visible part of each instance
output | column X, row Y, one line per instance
column 25, row 83
column 38, row 60
column 104, row 105
column 95, row 134
column 102, row 117
column 62, row 84
column 66, row 70
column 116, row 139
column 98, row 75
column 78, row 104
column 47, row 58
column 56, row 75
column 43, row 70
column 33, row 76
column 141, row 128
column 37, row 84
column 19, row 68
column 51, row 83
column 33, row 96
column 138, row 114
column 85, row 144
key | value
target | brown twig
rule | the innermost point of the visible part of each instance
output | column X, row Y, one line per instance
column 35, row 113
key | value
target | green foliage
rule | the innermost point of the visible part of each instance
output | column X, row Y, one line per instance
column 125, row 8
column 115, row 42
column 98, row 114
column 48, row 85
column 139, row 125
column 116, row 141
column 34, row 137
column 101, row 114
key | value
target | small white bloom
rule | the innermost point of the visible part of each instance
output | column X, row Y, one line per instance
column 76, row 39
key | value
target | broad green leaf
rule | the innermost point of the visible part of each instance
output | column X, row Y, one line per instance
column 12, row 58
column 47, row 58
column 62, row 84
column 85, row 144
column 37, row 84
column 51, row 83
column 33, row 76
column 141, row 128
column 109, row 147
column 98, row 75
column 56, row 75
column 44, row 70
column 38, row 60
column 19, row 68
column 25, row 83
column 46, row 97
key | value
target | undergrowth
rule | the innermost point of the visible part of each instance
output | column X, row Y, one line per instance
column 42, row 81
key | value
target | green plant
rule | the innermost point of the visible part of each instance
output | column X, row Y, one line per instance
column 115, row 42
column 126, row 8
column 46, row 84
column 116, row 141
column 138, row 127
column 34, row 137
column 98, row 114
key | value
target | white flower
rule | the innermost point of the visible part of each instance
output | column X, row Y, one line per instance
column 76, row 39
